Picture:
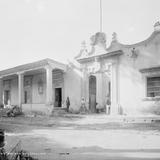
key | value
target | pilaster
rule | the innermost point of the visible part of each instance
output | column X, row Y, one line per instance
column 20, row 88
column 114, row 89
column 1, row 91
column 49, row 85
column 99, row 86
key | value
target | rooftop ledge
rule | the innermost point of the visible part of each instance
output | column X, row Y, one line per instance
column 150, row 69
column 100, row 56
column 34, row 65
column 152, row 98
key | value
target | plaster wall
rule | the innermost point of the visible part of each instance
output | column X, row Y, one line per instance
column 14, row 91
column 132, row 81
column 72, row 87
column 38, row 98
column 36, row 108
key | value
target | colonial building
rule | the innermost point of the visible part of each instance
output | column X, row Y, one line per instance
column 128, row 75
column 38, row 86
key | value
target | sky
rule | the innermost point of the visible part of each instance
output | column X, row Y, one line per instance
column 32, row 30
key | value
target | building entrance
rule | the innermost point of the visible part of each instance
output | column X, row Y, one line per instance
column 58, row 97
column 92, row 94
column 28, row 96
column 7, row 97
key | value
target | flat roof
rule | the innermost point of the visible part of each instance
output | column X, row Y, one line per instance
column 34, row 65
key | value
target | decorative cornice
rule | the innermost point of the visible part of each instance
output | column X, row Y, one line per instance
column 102, row 56
column 151, row 69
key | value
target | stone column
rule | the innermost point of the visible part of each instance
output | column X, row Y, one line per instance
column 63, row 89
column 20, row 88
column 1, row 91
column 49, row 86
column 114, row 89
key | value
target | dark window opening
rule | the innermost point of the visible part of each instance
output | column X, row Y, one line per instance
column 25, row 97
column 7, row 97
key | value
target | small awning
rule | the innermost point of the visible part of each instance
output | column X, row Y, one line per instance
column 150, row 69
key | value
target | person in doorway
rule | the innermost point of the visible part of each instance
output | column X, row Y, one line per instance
column 108, row 105
column 67, row 103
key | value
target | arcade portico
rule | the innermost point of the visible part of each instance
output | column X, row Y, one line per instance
column 38, row 86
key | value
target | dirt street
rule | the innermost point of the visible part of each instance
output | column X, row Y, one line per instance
column 71, row 139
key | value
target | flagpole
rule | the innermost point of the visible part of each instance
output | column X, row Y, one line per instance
column 100, row 15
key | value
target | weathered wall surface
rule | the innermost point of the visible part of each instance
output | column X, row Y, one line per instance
column 72, row 87
column 36, row 108
column 14, row 91
column 132, row 82
column 38, row 98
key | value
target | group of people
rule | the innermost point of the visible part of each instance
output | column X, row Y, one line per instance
column 83, row 108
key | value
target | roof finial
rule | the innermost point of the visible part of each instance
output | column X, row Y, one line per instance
column 83, row 45
column 114, row 37
column 83, row 50
column 157, row 26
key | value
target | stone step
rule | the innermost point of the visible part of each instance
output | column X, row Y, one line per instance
column 59, row 111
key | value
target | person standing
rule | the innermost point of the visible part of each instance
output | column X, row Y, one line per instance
column 67, row 103
column 108, row 105
column 83, row 108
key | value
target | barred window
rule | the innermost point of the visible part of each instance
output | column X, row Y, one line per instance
column 153, row 86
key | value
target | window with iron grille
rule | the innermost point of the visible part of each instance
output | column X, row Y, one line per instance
column 153, row 86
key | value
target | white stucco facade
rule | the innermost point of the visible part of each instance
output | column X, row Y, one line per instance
column 119, row 72
column 130, row 66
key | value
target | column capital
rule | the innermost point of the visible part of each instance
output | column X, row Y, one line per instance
column 20, row 73
column 48, row 67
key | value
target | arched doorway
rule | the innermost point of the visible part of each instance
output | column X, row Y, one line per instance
column 92, row 94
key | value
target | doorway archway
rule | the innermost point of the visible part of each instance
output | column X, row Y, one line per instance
column 92, row 93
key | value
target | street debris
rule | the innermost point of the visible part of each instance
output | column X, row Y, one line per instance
column 16, row 152
column 10, row 111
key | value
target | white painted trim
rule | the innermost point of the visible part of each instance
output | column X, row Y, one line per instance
column 16, row 73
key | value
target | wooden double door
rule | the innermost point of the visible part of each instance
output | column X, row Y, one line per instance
column 92, row 94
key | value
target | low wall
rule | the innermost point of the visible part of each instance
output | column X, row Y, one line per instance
column 37, row 109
